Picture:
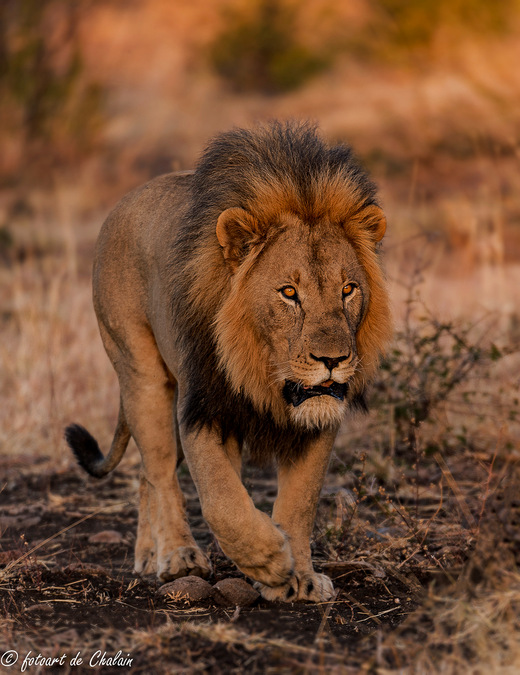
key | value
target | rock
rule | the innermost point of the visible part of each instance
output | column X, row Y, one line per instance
column 106, row 537
column 233, row 592
column 192, row 588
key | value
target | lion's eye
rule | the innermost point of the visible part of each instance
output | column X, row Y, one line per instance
column 348, row 289
column 289, row 292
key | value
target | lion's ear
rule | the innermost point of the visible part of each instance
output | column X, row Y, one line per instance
column 373, row 219
column 237, row 230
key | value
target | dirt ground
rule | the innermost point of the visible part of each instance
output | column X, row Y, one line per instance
column 71, row 591
column 423, row 559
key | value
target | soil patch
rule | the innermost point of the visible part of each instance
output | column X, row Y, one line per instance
column 67, row 554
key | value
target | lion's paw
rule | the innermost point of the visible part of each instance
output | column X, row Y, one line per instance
column 145, row 563
column 181, row 562
column 302, row 587
column 273, row 568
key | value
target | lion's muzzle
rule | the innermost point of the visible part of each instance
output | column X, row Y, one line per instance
column 296, row 393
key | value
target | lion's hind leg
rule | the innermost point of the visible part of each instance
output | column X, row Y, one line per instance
column 164, row 542
column 162, row 515
column 145, row 561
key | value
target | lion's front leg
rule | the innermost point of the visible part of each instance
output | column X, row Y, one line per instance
column 299, row 486
column 248, row 536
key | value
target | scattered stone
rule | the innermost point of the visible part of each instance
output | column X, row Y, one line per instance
column 86, row 568
column 233, row 592
column 18, row 522
column 40, row 607
column 106, row 537
column 190, row 588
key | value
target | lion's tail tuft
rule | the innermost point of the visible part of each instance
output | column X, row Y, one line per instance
column 86, row 449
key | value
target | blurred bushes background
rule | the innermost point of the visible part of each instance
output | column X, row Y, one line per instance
column 51, row 108
column 97, row 96
column 80, row 79
column 405, row 24
column 257, row 49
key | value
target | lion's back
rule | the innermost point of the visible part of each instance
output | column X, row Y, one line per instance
column 134, row 243
column 146, row 216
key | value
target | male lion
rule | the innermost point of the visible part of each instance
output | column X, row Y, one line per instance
column 243, row 306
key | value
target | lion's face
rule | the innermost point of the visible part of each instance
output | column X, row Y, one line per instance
column 303, row 297
column 307, row 294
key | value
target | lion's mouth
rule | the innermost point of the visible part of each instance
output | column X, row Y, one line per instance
column 296, row 393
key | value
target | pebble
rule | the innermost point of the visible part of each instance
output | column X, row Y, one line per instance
column 190, row 588
column 106, row 537
column 41, row 607
column 233, row 592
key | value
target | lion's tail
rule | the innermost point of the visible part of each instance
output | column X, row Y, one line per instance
column 86, row 449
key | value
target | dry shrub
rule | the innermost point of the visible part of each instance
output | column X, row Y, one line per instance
column 445, row 506
column 437, row 366
column 471, row 625
column 51, row 111
column 402, row 25
column 257, row 50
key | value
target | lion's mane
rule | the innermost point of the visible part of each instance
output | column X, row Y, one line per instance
column 276, row 168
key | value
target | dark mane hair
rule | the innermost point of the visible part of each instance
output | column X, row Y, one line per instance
column 289, row 160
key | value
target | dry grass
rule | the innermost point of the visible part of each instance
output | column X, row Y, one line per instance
column 470, row 625
column 52, row 361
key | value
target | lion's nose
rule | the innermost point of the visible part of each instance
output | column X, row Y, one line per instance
column 330, row 361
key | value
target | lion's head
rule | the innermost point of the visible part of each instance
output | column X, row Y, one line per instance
column 281, row 242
